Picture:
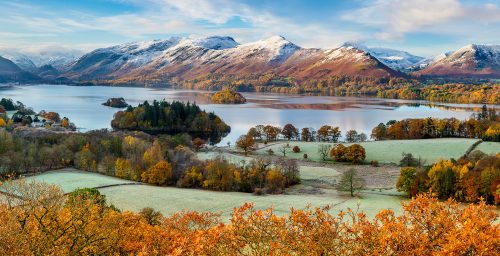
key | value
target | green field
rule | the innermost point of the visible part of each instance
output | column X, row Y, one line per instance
column 389, row 151
column 70, row 179
column 170, row 199
column 235, row 159
column 489, row 147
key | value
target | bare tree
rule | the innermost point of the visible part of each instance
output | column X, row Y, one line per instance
column 324, row 150
column 351, row 182
column 284, row 149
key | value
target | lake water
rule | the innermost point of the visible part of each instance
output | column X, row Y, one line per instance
column 83, row 106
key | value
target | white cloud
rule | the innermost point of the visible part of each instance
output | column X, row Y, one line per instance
column 395, row 18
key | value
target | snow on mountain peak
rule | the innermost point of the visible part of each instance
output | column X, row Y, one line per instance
column 211, row 42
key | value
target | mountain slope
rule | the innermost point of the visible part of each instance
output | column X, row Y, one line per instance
column 10, row 72
column 395, row 59
column 188, row 59
column 474, row 61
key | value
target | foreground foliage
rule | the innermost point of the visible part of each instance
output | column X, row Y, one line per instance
column 41, row 221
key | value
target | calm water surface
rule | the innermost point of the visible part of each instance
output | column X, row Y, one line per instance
column 83, row 106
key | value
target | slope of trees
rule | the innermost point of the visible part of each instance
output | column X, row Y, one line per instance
column 42, row 222
column 470, row 179
column 163, row 161
column 172, row 118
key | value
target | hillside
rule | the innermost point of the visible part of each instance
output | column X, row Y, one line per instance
column 10, row 72
column 188, row 59
column 471, row 61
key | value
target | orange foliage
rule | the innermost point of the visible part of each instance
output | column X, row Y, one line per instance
column 45, row 225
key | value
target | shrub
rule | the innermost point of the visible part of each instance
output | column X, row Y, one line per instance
column 305, row 156
column 270, row 152
column 296, row 149
column 374, row 163
column 258, row 192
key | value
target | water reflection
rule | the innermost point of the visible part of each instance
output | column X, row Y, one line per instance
column 83, row 106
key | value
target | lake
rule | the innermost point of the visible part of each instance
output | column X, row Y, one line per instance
column 82, row 105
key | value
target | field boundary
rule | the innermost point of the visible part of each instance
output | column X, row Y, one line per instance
column 472, row 147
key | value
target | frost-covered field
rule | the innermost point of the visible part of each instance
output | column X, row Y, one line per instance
column 70, row 179
column 489, row 147
column 389, row 151
column 169, row 200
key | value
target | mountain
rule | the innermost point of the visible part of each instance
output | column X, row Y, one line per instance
column 21, row 60
column 10, row 72
column 395, row 59
column 193, row 59
column 59, row 58
column 471, row 61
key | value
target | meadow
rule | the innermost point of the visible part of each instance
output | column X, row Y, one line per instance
column 390, row 151
column 169, row 200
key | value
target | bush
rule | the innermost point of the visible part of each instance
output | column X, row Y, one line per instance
column 296, row 149
column 305, row 156
column 374, row 163
column 258, row 192
column 270, row 152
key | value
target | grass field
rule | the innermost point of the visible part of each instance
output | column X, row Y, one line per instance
column 489, row 147
column 389, row 151
column 70, row 179
column 170, row 199
column 235, row 159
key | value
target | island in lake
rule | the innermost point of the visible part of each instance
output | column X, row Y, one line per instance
column 116, row 103
column 228, row 96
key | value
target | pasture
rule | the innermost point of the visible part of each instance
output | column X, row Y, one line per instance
column 387, row 151
column 168, row 200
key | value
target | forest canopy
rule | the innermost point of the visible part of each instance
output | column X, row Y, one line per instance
column 161, row 117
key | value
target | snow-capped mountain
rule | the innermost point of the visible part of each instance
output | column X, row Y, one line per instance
column 10, row 72
column 21, row 60
column 190, row 58
column 469, row 61
column 395, row 59
column 32, row 60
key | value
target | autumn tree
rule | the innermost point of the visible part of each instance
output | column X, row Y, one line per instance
column 351, row 136
column 289, row 132
column 198, row 144
column 406, row 180
column 159, row 174
column 245, row 143
column 305, row 134
column 351, row 182
column 355, row 153
column 338, row 152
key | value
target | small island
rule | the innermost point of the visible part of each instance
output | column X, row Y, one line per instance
column 116, row 103
column 227, row 96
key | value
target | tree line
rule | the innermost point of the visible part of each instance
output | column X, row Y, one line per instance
column 477, row 92
column 484, row 125
column 325, row 133
column 471, row 178
column 41, row 220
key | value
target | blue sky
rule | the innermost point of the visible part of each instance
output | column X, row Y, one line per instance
column 423, row 27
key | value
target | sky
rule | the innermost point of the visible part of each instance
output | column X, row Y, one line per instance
column 422, row 27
